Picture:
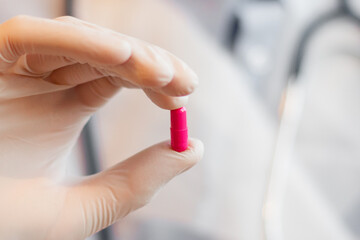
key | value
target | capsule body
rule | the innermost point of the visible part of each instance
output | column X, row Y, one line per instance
column 179, row 131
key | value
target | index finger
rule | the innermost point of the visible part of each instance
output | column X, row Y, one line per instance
column 25, row 35
column 137, row 62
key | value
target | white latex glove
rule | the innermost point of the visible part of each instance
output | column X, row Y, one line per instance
column 53, row 75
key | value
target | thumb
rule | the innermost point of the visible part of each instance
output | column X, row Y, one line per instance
column 112, row 194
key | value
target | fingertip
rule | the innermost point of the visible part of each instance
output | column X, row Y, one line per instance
column 192, row 79
column 185, row 80
column 166, row 102
column 112, row 53
column 179, row 87
column 195, row 150
column 177, row 102
column 197, row 144
column 188, row 158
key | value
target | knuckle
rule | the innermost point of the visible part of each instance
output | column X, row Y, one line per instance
column 18, row 21
column 151, row 67
column 10, row 28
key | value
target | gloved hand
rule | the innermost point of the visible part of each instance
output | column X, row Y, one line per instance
column 53, row 75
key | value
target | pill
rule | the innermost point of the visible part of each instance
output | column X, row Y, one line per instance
column 178, row 129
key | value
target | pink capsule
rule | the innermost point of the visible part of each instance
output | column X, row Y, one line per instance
column 179, row 131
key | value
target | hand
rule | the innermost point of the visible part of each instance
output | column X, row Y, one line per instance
column 53, row 75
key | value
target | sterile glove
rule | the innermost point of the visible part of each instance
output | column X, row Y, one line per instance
column 53, row 75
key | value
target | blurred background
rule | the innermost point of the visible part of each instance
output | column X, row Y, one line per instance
column 278, row 109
